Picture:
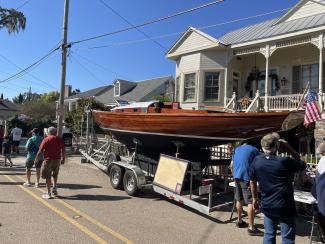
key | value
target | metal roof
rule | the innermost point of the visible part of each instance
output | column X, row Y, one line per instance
column 271, row 29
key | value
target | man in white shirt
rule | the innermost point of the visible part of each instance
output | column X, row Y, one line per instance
column 16, row 137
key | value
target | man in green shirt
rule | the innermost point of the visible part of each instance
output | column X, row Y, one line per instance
column 32, row 147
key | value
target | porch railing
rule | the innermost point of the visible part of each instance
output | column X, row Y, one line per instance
column 275, row 103
column 283, row 102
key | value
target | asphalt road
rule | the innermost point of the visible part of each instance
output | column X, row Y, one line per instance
column 89, row 210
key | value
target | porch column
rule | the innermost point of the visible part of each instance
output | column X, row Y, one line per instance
column 320, row 46
column 267, row 56
column 225, row 87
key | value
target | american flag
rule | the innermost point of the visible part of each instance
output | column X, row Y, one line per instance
column 312, row 112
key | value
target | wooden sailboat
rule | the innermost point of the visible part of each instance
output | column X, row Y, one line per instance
column 158, row 126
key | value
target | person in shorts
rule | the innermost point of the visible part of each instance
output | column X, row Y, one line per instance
column 16, row 137
column 241, row 160
column 53, row 149
column 6, row 150
column 32, row 147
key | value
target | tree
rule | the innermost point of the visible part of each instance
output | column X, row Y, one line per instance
column 50, row 97
column 73, row 119
column 39, row 111
column 1, row 98
column 26, row 97
column 12, row 20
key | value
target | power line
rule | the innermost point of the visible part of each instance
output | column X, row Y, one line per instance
column 87, row 70
column 139, row 30
column 33, row 65
column 23, row 4
column 200, row 28
column 149, row 22
column 100, row 66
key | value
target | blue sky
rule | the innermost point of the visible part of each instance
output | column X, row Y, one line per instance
column 125, row 56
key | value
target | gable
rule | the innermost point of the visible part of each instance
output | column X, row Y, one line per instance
column 303, row 9
column 192, row 40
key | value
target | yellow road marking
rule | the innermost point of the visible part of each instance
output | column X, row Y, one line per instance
column 62, row 214
column 89, row 218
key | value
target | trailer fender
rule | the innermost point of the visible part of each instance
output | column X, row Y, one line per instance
column 139, row 174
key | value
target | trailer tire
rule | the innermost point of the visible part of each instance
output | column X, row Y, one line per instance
column 130, row 183
column 116, row 177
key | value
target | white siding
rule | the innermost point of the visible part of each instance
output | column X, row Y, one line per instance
column 193, row 42
column 190, row 62
column 213, row 60
column 308, row 9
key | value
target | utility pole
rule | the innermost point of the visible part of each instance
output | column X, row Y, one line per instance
column 63, row 67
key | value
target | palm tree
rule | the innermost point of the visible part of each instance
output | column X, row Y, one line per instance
column 12, row 20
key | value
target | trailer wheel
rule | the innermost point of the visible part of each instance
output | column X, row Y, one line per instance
column 116, row 177
column 130, row 183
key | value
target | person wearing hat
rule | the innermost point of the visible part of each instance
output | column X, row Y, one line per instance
column 274, row 175
column 32, row 147
column 53, row 149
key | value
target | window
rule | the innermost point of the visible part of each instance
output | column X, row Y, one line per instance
column 117, row 89
column 211, row 86
column 272, row 81
column 177, row 85
column 189, row 87
column 303, row 74
column 310, row 73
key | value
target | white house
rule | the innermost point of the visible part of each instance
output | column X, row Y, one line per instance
column 271, row 61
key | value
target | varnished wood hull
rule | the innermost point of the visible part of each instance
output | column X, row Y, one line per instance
column 159, row 130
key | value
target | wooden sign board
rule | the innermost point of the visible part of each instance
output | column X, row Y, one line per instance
column 170, row 173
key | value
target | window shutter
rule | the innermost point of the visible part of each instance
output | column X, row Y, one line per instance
column 296, row 79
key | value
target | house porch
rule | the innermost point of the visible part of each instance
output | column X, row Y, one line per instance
column 277, row 73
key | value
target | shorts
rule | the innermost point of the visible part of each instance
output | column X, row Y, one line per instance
column 30, row 163
column 242, row 192
column 50, row 168
column 16, row 143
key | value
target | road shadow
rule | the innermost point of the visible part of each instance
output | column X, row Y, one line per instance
column 76, row 186
column 6, row 202
column 14, row 168
column 10, row 183
column 13, row 173
column 84, row 197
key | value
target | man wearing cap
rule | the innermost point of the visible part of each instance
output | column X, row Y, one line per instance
column 32, row 147
column 241, row 160
column 275, row 177
column 53, row 150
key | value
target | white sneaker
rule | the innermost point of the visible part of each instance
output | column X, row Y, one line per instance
column 47, row 196
column 27, row 184
column 36, row 185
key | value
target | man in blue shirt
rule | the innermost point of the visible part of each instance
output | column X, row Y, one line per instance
column 275, row 177
column 241, row 161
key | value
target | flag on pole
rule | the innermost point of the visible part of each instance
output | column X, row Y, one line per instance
column 312, row 112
